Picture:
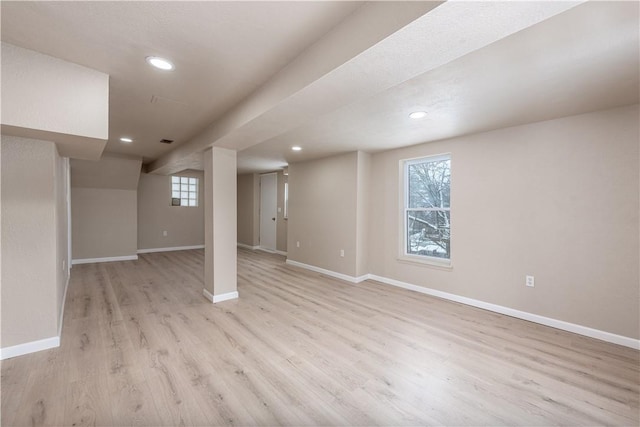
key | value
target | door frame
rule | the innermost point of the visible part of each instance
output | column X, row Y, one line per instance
column 273, row 218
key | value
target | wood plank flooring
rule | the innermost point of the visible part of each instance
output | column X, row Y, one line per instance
column 142, row 346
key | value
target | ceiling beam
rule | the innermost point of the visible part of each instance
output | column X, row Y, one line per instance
column 368, row 25
column 381, row 45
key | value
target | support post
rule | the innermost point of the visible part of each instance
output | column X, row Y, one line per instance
column 220, row 219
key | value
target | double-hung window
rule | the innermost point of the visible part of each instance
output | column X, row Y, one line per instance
column 184, row 191
column 427, row 208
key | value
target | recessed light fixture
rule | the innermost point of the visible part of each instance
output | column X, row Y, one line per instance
column 418, row 114
column 161, row 63
column 126, row 139
column 296, row 148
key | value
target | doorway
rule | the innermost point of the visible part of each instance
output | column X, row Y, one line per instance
column 268, row 209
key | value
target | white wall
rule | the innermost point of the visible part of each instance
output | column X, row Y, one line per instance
column 248, row 209
column 363, row 199
column 63, row 262
column 104, row 223
column 323, row 213
column 104, row 207
column 555, row 199
column 184, row 225
column 34, row 241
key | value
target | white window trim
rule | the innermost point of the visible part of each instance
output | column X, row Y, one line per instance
column 403, row 256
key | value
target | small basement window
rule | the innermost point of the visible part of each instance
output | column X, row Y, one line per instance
column 184, row 191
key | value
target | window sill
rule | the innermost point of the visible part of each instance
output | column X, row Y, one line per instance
column 430, row 262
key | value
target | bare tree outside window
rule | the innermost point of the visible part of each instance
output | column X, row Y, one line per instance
column 427, row 207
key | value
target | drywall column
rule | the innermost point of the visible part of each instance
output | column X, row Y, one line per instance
column 220, row 225
column 34, row 264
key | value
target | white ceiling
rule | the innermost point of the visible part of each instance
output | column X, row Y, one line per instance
column 223, row 51
column 334, row 77
column 582, row 60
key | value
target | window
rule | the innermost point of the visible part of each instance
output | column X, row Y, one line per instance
column 427, row 211
column 184, row 191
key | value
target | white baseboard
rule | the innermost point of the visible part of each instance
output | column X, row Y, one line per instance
column 341, row 276
column 107, row 259
column 547, row 321
column 252, row 248
column 29, row 347
column 44, row 344
column 208, row 295
column 225, row 297
column 271, row 251
column 219, row 298
column 260, row 248
column 171, row 249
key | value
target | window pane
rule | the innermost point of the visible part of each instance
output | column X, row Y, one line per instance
column 429, row 184
column 428, row 233
column 184, row 191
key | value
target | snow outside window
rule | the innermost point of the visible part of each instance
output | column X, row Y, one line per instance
column 427, row 208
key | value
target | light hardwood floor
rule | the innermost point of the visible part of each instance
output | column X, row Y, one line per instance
column 141, row 346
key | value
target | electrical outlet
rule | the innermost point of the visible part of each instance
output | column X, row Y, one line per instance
column 530, row 281
column 342, row 253
column 164, row 233
column 297, row 244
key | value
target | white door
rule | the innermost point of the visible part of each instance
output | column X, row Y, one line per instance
column 268, row 208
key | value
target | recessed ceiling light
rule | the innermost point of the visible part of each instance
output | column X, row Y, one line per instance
column 125, row 139
column 161, row 63
column 418, row 114
column 296, row 148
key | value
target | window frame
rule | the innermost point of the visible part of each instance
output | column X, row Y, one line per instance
column 188, row 191
column 403, row 255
